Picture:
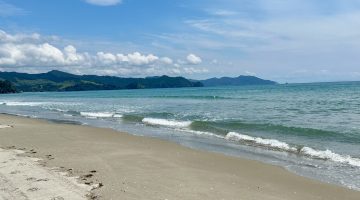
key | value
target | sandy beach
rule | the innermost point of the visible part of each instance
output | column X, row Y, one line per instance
column 122, row 166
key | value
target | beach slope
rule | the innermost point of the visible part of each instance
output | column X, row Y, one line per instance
column 131, row 167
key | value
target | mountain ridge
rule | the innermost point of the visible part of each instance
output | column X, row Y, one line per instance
column 56, row 80
column 236, row 81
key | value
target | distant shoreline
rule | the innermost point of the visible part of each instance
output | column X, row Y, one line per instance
column 62, row 81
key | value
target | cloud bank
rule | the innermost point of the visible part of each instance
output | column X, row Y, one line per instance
column 36, row 53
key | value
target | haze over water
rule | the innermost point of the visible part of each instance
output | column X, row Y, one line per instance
column 311, row 129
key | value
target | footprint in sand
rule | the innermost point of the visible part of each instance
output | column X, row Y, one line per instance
column 15, row 172
column 42, row 180
column 33, row 189
column 32, row 151
column 50, row 157
column 31, row 179
column 37, row 179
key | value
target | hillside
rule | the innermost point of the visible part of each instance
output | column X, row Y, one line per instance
column 237, row 81
column 62, row 81
column 7, row 87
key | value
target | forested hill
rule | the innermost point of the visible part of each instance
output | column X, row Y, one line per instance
column 7, row 87
column 62, row 81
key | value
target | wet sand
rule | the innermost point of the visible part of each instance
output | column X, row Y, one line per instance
column 131, row 167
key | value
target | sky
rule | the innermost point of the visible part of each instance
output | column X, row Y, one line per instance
column 281, row 40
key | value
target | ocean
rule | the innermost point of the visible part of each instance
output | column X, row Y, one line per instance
column 310, row 129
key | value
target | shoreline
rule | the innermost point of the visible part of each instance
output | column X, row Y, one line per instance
column 135, row 167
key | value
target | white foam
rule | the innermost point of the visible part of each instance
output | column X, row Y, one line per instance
column 117, row 116
column 165, row 122
column 16, row 103
column 100, row 114
column 265, row 142
column 329, row 155
column 201, row 133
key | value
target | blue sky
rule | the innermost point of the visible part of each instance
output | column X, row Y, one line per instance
column 283, row 40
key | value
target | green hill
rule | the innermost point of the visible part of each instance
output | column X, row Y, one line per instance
column 7, row 87
column 62, row 81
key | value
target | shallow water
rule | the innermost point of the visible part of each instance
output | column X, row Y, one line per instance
column 311, row 129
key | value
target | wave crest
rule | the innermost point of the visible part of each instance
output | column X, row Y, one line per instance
column 18, row 103
column 260, row 141
column 165, row 122
column 329, row 155
column 305, row 151
column 100, row 115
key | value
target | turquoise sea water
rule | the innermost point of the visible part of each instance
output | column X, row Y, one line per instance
column 310, row 129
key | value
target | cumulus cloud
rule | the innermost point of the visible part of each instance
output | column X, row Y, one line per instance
column 36, row 53
column 193, row 59
column 104, row 2
column 16, row 38
column 166, row 60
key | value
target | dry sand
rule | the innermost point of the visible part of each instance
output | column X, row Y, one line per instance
column 22, row 178
column 132, row 167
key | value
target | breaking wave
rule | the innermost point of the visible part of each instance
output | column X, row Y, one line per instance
column 329, row 155
column 260, row 141
column 305, row 151
column 165, row 122
column 18, row 103
column 100, row 115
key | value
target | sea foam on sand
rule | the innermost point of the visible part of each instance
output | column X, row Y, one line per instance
column 23, row 178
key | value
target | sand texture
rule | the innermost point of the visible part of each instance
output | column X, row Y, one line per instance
column 23, row 178
column 131, row 167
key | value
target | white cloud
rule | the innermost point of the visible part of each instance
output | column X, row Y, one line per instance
column 138, row 59
column 166, row 60
column 4, row 37
column 191, row 70
column 104, row 2
column 250, row 73
column 30, row 54
column 273, row 38
column 193, row 59
column 222, row 13
column 35, row 53
column 72, row 56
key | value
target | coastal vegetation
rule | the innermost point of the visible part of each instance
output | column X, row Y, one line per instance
column 7, row 87
column 62, row 81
